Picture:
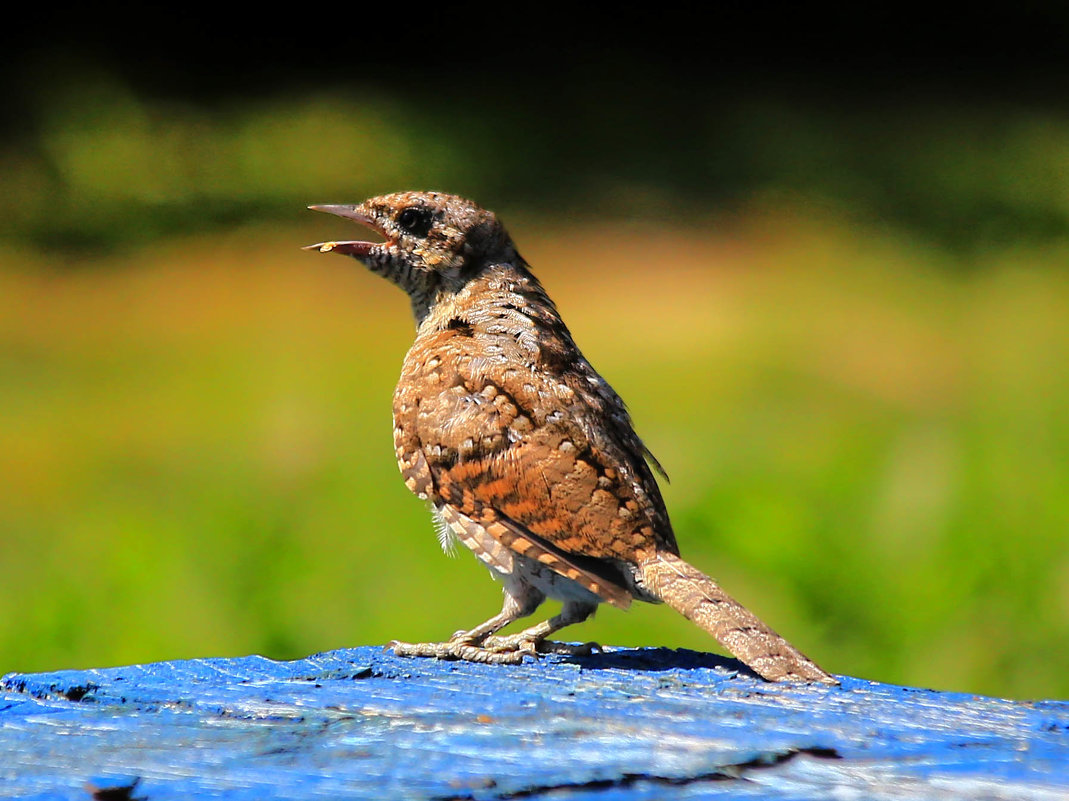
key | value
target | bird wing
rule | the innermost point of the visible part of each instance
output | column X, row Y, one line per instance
column 496, row 539
column 549, row 455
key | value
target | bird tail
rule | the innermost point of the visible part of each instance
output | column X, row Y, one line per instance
column 701, row 600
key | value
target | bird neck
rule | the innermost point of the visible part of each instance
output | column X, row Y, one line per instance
column 423, row 299
column 499, row 298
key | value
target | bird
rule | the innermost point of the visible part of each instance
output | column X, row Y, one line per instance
column 524, row 453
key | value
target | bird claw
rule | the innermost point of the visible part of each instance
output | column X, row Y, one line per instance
column 460, row 650
column 493, row 650
column 525, row 644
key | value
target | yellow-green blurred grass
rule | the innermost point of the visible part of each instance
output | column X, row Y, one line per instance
column 871, row 451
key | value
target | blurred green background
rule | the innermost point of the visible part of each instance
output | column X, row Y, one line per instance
column 832, row 289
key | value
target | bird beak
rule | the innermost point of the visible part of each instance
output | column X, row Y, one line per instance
column 349, row 248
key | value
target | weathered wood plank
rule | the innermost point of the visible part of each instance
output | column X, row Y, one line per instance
column 646, row 724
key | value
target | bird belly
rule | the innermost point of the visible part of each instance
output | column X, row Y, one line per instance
column 551, row 583
column 504, row 563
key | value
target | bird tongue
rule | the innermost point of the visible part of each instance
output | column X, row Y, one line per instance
column 349, row 247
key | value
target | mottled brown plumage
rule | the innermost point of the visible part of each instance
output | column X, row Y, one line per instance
column 526, row 455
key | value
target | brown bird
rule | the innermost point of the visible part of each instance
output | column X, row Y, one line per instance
column 526, row 455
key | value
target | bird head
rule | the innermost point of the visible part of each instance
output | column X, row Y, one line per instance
column 434, row 242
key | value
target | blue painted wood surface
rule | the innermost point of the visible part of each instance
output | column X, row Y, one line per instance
column 635, row 724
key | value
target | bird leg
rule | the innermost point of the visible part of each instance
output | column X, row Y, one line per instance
column 520, row 601
column 480, row 645
column 533, row 640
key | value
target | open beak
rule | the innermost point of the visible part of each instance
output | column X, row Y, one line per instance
column 349, row 248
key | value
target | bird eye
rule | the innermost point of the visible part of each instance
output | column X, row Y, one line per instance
column 415, row 221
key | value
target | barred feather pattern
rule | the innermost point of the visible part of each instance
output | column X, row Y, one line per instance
column 702, row 601
column 526, row 454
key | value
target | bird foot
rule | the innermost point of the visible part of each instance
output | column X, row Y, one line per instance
column 509, row 650
column 458, row 650
column 526, row 644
